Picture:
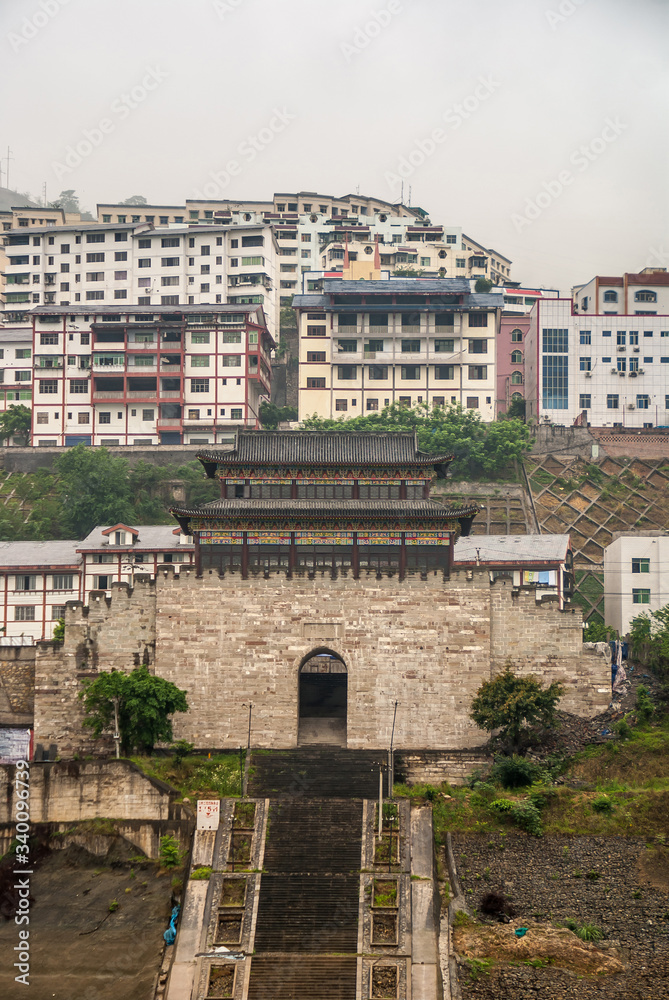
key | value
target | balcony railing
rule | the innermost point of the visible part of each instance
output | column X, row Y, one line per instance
column 170, row 394
column 165, row 422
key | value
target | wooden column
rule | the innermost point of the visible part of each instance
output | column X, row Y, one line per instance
column 292, row 556
column 198, row 554
column 403, row 559
column 245, row 556
column 356, row 557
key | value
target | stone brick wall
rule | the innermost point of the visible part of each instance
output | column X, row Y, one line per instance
column 17, row 685
column 228, row 642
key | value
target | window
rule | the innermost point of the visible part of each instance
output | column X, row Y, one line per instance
column 232, row 336
column 634, row 338
column 555, row 341
column 48, row 386
column 472, row 402
column 606, row 333
column 516, row 378
column 170, row 279
column 610, row 296
column 621, row 364
column 104, row 418
column 193, row 414
column 63, row 581
column 93, row 296
column 23, row 352
column 585, row 401
column 444, row 345
column 25, row 583
column 148, row 414
column 377, row 373
column 22, row 376
column 83, row 418
column 199, row 385
column 645, row 295
column 347, row 346
column 316, row 331
column 144, row 262
column 24, row 613
column 121, row 293
column 205, row 251
column 170, row 241
column 639, row 596
column 606, row 361
column 585, row 337
column 95, row 258
column 57, row 611
column 478, row 371
column 121, row 237
column 642, row 402
column 315, row 356
column 410, row 372
column 516, row 357
column 200, row 337
column 372, row 404
column 95, row 237
column 444, row 372
column 169, row 261
column 612, row 401
column 478, row 346
column 410, row 346
column 347, row 372
column 231, row 361
column 648, row 361
column 555, row 381
column 236, row 413
column 641, row 565
column 585, row 364
column 48, row 338
column 200, row 361
column 478, row 319
column 621, row 338
column 461, row 262
column 169, row 300
column 204, row 287
column 42, row 418
column 341, row 404
column 251, row 241
column 315, row 383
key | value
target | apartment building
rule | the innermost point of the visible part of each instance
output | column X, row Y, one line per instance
column 165, row 374
column 128, row 264
column 636, row 576
column 37, row 579
column 16, row 371
column 608, row 368
column 497, row 266
column 367, row 344
column 514, row 325
column 645, row 293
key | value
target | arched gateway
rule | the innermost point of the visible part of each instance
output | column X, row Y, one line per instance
column 323, row 698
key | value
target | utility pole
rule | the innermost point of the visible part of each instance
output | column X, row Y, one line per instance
column 117, row 735
column 7, row 159
column 391, row 761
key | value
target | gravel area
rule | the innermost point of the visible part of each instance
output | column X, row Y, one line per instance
column 620, row 885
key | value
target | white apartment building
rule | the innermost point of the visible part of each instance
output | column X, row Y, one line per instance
column 16, row 371
column 367, row 344
column 37, row 579
column 128, row 264
column 636, row 576
column 643, row 294
column 166, row 374
column 614, row 367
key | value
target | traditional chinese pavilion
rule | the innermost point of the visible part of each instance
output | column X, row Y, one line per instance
column 314, row 501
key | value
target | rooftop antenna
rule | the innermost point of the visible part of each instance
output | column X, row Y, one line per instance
column 7, row 159
column 44, row 193
column 409, row 196
column 402, row 194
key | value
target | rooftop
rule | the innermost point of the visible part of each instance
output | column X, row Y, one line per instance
column 25, row 555
column 324, row 448
column 341, row 509
column 511, row 549
column 151, row 537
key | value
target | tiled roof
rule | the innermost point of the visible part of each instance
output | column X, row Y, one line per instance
column 151, row 538
column 323, row 448
column 327, row 508
column 511, row 549
column 51, row 553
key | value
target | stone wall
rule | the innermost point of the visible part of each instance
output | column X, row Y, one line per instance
column 17, row 685
column 432, row 767
column 230, row 642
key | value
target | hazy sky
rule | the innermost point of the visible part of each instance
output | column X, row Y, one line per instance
column 539, row 126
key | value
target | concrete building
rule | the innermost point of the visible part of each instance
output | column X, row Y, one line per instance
column 636, row 576
column 16, row 371
column 37, row 579
column 129, row 264
column 645, row 293
column 606, row 369
column 364, row 345
column 164, row 374
column 544, row 563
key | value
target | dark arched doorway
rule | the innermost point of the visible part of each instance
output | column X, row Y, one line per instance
column 323, row 694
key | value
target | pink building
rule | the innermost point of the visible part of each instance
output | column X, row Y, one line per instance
column 515, row 323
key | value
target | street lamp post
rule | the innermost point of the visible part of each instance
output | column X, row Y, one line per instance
column 391, row 760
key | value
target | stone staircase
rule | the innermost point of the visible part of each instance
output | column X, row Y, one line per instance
column 307, row 927
column 316, row 772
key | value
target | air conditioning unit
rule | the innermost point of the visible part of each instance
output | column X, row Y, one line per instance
column 640, row 371
column 631, row 406
column 633, row 374
column 636, row 350
column 613, row 371
column 588, row 374
column 622, row 348
column 622, row 374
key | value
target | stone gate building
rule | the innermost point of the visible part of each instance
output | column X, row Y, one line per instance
column 324, row 591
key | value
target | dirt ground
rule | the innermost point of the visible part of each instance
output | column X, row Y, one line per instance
column 80, row 950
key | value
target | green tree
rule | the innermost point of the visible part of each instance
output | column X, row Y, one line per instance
column 271, row 415
column 482, row 285
column 515, row 705
column 479, row 449
column 68, row 201
column 94, row 488
column 516, row 409
column 136, row 199
column 408, row 272
column 15, row 423
column 649, row 635
column 145, row 704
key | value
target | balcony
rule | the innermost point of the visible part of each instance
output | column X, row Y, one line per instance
column 48, row 363
column 167, row 423
column 169, row 394
column 141, row 394
column 139, row 370
column 101, row 367
column 107, row 394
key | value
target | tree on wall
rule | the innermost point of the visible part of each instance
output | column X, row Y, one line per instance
column 144, row 704
column 483, row 285
column 518, row 706
column 94, row 488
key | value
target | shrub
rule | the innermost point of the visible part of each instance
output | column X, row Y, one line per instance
column 181, row 749
column 644, row 705
column 515, row 772
column 623, row 729
column 589, row 932
column 501, row 805
column 495, row 904
column 201, row 873
column 171, row 855
column 602, row 804
column 526, row 815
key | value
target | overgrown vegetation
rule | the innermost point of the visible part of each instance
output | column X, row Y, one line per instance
column 519, row 707
column 480, row 450
column 196, row 776
column 89, row 486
